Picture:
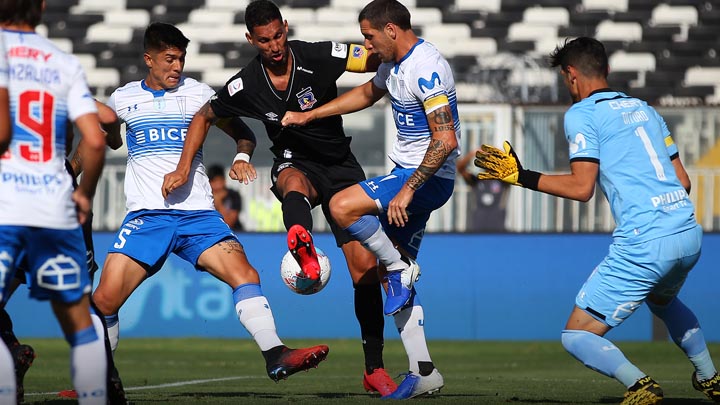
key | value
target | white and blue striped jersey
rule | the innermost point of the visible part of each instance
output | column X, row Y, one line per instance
column 47, row 87
column 156, row 122
column 3, row 64
column 419, row 84
column 633, row 146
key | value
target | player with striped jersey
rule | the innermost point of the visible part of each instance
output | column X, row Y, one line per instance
column 424, row 104
column 624, row 145
column 156, row 112
column 41, row 215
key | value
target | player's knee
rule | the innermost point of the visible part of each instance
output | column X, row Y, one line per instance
column 340, row 208
column 570, row 338
column 105, row 302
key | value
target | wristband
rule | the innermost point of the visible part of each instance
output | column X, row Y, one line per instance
column 529, row 179
column 242, row 156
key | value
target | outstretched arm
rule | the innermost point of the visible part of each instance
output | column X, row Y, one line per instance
column 194, row 139
column 358, row 98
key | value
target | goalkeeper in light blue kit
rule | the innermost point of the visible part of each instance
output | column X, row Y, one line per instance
column 625, row 145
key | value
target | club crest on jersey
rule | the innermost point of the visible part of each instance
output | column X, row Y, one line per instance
column 235, row 86
column 271, row 116
column 306, row 98
column 428, row 84
column 339, row 50
column 159, row 103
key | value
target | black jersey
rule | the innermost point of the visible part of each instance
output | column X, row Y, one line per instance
column 316, row 67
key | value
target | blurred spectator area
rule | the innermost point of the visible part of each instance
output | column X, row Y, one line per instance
column 666, row 52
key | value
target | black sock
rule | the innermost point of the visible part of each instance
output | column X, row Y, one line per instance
column 271, row 355
column 297, row 210
column 426, row 367
column 6, row 329
column 369, row 313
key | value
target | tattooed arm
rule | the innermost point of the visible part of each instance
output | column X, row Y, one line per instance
column 442, row 143
column 194, row 139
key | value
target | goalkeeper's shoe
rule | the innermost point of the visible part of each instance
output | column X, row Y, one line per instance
column 644, row 392
column 709, row 387
column 290, row 361
column 379, row 381
column 300, row 244
column 400, row 286
column 414, row 385
column 23, row 356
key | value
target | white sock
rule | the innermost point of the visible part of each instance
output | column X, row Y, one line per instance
column 8, row 385
column 113, row 331
column 381, row 245
column 410, row 322
column 256, row 316
column 89, row 372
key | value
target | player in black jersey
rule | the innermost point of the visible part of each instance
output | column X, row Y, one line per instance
column 311, row 163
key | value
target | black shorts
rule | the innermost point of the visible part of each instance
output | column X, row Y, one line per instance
column 327, row 180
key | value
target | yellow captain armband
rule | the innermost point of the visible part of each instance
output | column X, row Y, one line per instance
column 357, row 59
column 668, row 141
column 435, row 102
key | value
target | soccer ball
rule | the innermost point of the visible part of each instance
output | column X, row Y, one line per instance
column 289, row 269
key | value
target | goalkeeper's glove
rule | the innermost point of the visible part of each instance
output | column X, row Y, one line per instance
column 505, row 166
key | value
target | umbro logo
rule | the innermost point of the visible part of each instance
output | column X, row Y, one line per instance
column 271, row 116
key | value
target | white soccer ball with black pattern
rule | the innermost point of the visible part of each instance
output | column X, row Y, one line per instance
column 289, row 269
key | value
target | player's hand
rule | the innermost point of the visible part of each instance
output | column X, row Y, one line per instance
column 83, row 206
column 505, row 166
column 397, row 209
column 243, row 171
column 172, row 182
column 292, row 118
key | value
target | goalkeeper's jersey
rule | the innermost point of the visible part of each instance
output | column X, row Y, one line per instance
column 47, row 88
column 156, row 122
column 419, row 84
column 633, row 147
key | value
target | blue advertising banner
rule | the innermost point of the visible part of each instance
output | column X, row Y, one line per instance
column 473, row 287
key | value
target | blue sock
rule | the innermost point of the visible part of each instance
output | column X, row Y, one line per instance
column 81, row 337
column 364, row 228
column 599, row 354
column 685, row 331
column 246, row 291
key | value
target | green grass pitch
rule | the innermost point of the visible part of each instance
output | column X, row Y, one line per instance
column 220, row 371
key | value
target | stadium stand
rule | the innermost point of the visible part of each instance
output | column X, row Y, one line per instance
column 653, row 45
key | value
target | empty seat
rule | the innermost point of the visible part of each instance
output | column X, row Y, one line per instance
column 199, row 62
column 664, row 14
column 553, row 16
column 340, row 33
column 226, row 5
column 131, row 18
column 298, row 16
column 619, row 31
column 530, row 32
column 469, row 46
column 216, row 18
column 702, row 76
column 104, row 33
column 217, row 77
column 198, row 33
column 103, row 77
column 485, row 5
column 613, row 5
column 441, row 32
column 631, row 62
column 329, row 15
column 84, row 6
column 533, row 77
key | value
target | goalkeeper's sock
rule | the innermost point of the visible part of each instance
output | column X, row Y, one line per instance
column 296, row 210
column 6, row 329
column 410, row 323
column 601, row 355
column 369, row 313
column 370, row 233
column 684, row 329
column 255, row 315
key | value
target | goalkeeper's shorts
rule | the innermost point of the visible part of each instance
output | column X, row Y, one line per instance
column 629, row 273
column 432, row 195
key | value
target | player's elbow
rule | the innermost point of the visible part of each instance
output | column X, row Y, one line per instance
column 585, row 194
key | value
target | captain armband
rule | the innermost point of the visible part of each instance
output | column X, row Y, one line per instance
column 433, row 103
column 357, row 59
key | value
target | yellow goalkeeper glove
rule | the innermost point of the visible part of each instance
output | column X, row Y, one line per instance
column 505, row 166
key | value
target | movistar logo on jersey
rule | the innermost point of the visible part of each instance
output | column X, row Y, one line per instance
column 578, row 143
column 429, row 84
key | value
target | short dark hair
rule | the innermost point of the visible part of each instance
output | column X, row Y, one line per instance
column 261, row 12
column 585, row 54
column 381, row 12
column 160, row 36
column 15, row 12
column 215, row 171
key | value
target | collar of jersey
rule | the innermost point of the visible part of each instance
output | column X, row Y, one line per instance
column 157, row 93
column 407, row 55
